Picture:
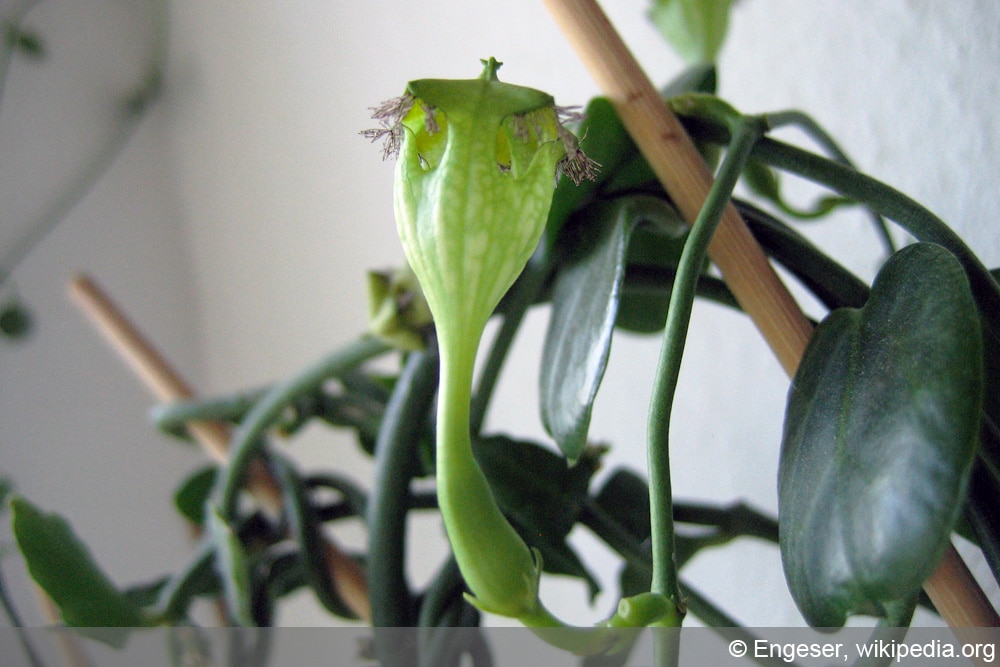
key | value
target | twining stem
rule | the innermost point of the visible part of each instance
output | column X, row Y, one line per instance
column 887, row 201
column 395, row 465
column 674, row 336
column 248, row 438
column 815, row 131
column 305, row 528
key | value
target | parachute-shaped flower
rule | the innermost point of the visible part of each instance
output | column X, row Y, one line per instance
column 478, row 163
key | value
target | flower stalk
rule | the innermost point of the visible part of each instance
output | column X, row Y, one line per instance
column 478, row 163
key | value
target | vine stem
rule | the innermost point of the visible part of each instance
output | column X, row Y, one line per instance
column 396, row 463
column 677, row 164
column 167, row 385
column 682, row 296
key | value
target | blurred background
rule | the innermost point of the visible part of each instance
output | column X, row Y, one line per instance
column 232, row 210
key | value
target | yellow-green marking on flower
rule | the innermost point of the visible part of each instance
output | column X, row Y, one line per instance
column 478, row 162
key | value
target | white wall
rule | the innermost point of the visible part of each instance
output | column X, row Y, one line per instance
column 285, row 207
column 74, row 434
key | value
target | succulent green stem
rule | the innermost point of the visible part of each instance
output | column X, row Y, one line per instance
column 665, row 581
column 499, row 568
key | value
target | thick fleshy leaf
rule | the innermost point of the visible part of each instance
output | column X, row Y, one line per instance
column 585, row 301
column 541, row 495
column 880, row 435
column 63, row 566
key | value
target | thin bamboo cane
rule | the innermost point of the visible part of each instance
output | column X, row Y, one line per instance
column 748, row 274
column 167, row 385
column 684, row 174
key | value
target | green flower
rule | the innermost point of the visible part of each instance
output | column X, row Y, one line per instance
column 478, row 163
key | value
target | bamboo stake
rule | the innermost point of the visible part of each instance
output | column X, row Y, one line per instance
column 962, row 607
column 167, row 385
column 748, row 274
column 684, row 174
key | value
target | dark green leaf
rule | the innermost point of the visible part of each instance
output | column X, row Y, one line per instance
column 558, row 557
column 879, row 440
column 63, row 566
column 584, row 305
column 652, row 258
column 190, row 497
column 584, row 309
column 625, row 498
column 605, row 140
column 541, row 495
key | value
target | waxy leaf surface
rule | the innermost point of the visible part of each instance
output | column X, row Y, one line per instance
column 64, row 568
column 585, row 301
column 880, row 435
